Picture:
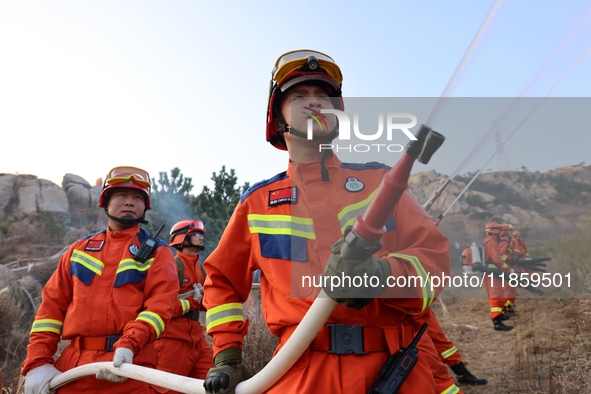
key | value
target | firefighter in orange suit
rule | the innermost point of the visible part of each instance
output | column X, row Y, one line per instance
column 494, row 286
column 507, row 256
column 109, row 305
column 287, row 226
column 183, row 350
column 518, row 247
column 449, row 354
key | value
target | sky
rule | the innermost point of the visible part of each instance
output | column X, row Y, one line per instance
column 89, row 85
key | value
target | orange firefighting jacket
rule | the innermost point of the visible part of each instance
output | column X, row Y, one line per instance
column 519, row 249
column 98, row 289
column 285, row 227
column 505, row 248
column 492, row 253
column 183, row 328
column 466, row 258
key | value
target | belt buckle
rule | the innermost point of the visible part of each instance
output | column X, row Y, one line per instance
column 111, row 339
column 346, row 339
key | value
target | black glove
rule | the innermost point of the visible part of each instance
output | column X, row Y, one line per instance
column 348, row 292
column 227, row 373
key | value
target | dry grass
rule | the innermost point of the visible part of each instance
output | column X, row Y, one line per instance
column 259, row 344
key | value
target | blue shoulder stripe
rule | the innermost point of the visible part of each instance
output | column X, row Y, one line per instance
column 372, row 165
column 93, row 234
column 279, row 177
column 143, row 234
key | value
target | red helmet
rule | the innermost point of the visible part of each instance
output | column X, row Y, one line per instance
column 506, row 229
column 516, row 234
column 296, row 67
column 183, row 229
column 492, row 228
column 126, row 177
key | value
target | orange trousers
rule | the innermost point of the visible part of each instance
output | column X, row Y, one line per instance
column 181, row 358
column 446, row 348
column 497, row 296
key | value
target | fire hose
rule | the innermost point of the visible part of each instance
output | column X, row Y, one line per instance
column 360, row 241
column 479, row 265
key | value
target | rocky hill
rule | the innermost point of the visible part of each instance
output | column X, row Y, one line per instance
column 541, row 205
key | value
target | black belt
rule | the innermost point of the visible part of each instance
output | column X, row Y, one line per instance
column 193, row 315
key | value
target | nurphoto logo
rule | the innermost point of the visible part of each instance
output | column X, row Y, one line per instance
column 395, row 121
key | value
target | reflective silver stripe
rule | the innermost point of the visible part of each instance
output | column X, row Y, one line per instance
column 427, row 286
column 131, row 264
column 223, row 314
column 349, row 213
column 453, row 389
column 449, row 352
column 47, row 325
column 281, row 224
column 153, row 319
column 92, row 263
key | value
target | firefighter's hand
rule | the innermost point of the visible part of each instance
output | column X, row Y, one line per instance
column 342, row 278
column 198, row 291
column 122, row 355
column 37, row 379
column 227, row 373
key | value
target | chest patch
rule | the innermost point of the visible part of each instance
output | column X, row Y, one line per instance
column 94, row 245
column 353, row 184
column 133, row 249
column 286, row 195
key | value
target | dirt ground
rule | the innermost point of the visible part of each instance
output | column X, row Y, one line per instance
column 524, row 360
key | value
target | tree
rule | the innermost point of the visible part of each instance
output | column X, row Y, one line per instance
column 215, row 207
column 170, row 201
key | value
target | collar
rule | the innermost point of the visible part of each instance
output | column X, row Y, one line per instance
column 311, row 171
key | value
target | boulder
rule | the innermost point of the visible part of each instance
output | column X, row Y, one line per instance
column 36, row 195
column 6, row 190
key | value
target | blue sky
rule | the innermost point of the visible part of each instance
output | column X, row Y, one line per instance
column 86, row 86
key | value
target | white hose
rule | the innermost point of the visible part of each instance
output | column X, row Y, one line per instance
column 301, row 338
column 144, row 374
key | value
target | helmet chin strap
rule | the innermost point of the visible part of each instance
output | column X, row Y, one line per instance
column 127, row 220
column 191, row 245
column 325, row 154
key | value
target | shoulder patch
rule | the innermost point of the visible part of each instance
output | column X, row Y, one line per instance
column 372, row 165
column 279, row 177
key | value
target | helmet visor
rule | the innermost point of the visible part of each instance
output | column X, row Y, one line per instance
column 124, row 174
column 295, row 60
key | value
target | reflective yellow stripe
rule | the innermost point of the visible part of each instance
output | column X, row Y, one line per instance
column 449, row 352
column 154, row 320
column 185, row 305
column 224, row 313
column 131, row 264
column 453, row 389
column 427, row 288
column 281, row 224
column 496, row 309
column 92, row 263
column 509, row 303
column 47, row 325
column 350, row 212
column 504, row 258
